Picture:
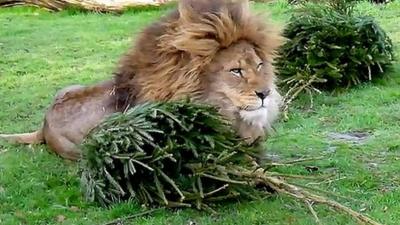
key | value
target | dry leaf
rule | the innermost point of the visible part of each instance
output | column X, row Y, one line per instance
column 61, row 218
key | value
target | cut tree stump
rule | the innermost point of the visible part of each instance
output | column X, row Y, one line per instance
column 90, row 5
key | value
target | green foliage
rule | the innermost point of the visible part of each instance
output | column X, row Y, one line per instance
column 329, row 45
column 173, row 154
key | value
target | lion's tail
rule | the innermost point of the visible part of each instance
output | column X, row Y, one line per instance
column 24, row 138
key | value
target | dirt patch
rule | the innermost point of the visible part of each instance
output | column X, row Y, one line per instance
column 354, row 137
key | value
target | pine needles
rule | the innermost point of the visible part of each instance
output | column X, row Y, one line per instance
column 172, row 154
column 329, row 47
column 179, row 154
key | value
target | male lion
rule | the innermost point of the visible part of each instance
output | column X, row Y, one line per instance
column 215, row 52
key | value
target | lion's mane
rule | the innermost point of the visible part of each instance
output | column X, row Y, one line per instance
column 168, row 58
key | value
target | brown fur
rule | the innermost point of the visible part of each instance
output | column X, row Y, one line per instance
column 169, row 57
column 190, row 52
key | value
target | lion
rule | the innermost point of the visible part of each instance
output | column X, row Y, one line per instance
column 214, row 52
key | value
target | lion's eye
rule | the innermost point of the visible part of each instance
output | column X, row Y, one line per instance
column 259, row 66
column 237, row 72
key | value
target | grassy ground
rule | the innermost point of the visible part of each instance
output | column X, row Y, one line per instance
column 42, row 52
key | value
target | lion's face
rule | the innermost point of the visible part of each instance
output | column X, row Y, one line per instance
column 242, row 85
column 241, row 77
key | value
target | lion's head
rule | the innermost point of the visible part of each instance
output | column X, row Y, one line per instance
column 215, row 52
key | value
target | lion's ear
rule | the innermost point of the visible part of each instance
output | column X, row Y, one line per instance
column 245, row 6
column 186, row 10
column 192, row 10
column 189, row 9
column 239, row 10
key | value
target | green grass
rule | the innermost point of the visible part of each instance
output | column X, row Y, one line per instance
column 42, row 52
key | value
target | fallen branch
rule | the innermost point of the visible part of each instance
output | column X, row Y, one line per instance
column 281, row 186
column 130, row 217
column 89, row 5
column 297, row 90
column 309, row 205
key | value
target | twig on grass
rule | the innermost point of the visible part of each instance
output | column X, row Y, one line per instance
column 144, row 213
column 303, row 160
column 295, row 176
column 281, row 186
column 216, row 190
column 328, row 181
column 309, row 205
column 296, row 91
column 330, row 193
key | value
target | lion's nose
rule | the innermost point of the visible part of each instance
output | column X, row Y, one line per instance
column 263, row 94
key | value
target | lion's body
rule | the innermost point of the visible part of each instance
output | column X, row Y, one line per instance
column 74, row 112
column 214, row 52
